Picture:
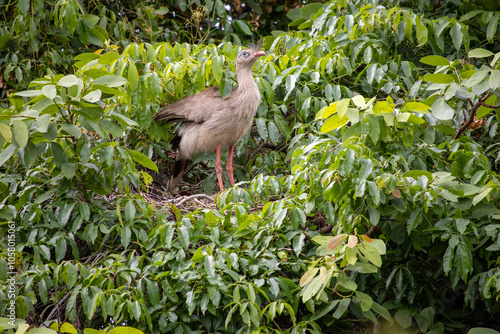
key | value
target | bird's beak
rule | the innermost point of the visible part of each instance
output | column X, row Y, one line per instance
column 259, row 54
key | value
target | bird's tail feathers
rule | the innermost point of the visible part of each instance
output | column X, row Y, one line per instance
column 177, row 173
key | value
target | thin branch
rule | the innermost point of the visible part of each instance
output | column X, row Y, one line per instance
column 491, row 106
column 472, row 113
column 185, row 199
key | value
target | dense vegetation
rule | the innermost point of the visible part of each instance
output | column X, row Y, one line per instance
column 369, row 197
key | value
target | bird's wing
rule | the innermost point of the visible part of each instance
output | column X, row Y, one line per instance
column 195, row 108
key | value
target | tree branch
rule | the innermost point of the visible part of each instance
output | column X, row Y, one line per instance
column 472, row 113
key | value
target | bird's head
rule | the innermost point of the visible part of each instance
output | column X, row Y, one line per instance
column 246, row 58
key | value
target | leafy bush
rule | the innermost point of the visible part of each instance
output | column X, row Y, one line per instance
column 369, row 185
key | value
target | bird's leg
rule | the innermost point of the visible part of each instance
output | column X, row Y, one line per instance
column 218, row 168
column 229, row 164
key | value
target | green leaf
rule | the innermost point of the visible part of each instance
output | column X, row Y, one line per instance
column 111, row 127
column 59, row 154
column 42, row 330
column 71, row 129
column 422, row 33
column 476, row 78
column 133, row 76
column 130, row 212
column 492, row 28
column 209, row 265
column 435, row 61
column 479, row 53
column 439, row 78
column 403, row 317
column 463, row 260
column 111, row 81
column 308, row 10
column 68, row 169
column 143, row 160
column 441, row 110
column 481, row 196
column 482, row 330
column 365, row 170
column 93, row 96
column 365, row 300
column 87, row 56
column 311, row 289
column 342, row 307
column 363, row 268
column 290, row 83
column 68, row 81
column 261, row 128
column 449, row 254
column 45, row 196
column 457, row 35
column 108, row 58
column 20, row 133
column 155, row 84
column 298, row 243
column 49, row 91
column 4, row 40
column 243, row 26
column 382, row 311
column 374, row 128
column 425, row 319
column 494, row 80
column 217, row 68
column 126, row 236
column 183, row 235
column 24, row 6
column 274, row 133
column 371, row 253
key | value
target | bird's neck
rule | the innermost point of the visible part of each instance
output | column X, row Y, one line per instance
column 245, row 79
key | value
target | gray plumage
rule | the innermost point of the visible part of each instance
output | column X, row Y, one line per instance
column 210, row 122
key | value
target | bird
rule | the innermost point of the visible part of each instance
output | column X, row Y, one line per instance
column 210, row 122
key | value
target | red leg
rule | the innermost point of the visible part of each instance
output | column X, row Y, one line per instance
column 229, row 164
column 218, row 168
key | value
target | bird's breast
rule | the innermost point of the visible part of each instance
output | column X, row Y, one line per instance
column 225, row 127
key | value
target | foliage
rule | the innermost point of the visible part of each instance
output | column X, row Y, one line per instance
column 373, row 172
column 39, row 37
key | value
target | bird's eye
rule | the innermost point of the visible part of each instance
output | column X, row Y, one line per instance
column 245, row 54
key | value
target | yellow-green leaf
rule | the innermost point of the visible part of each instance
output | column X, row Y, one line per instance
column 359, row 101
column 65, row 328
column 20, row 131
column 421, row 32
column 415, row 120
column 383, row 107
column 5, row 131
column 435, row 60
column 342, row 107
column 439, row 78
column 330, row 110
column 308, row 276
column 416, row 106
column 333, row 123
